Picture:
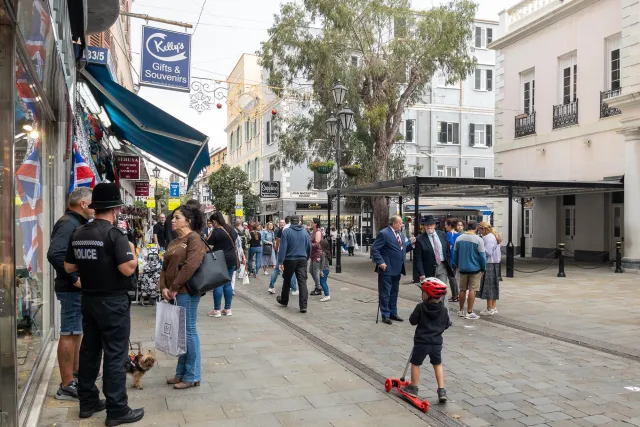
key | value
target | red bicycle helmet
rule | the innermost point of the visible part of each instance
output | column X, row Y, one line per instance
column 433, row 287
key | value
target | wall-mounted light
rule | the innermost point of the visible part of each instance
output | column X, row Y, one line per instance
column 587, row 143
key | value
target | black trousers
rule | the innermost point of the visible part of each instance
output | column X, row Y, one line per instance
column 299, row 268
column 106, row 321
column 350, row 250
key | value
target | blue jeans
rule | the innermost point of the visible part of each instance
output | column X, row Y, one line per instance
column 257, row 252
column 189, row 368
column 388, row 287
column 225, row 289
column 323, row 282
column 274, row 277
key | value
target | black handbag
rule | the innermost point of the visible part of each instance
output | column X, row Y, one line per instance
column 212, row 273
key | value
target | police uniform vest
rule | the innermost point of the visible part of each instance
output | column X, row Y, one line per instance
column 98, row 248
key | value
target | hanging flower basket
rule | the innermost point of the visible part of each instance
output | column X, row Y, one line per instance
column 322, row 167
column 352, row 170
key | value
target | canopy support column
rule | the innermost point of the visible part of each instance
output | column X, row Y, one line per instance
column 510, row 247
column 522, row 238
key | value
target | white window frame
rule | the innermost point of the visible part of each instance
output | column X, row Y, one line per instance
column 452, row 171
column 450, row 133
column 613, row 43
column 484, row 172
column 480, row 135
column 483, row 76
column 413, row 131
column 528, row 76
column 483, row 37
column 441, row 81
column 440, row 170
column 569, row 61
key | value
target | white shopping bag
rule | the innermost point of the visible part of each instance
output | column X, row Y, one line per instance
column 171, row 329
column 245, row 279
column 240, row 272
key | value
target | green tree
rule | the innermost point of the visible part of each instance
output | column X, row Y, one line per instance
column 141, row 204
column 162, row 200
column 397, row 49
column 225, row 183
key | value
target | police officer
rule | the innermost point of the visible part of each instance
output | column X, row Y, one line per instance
column 105, row 261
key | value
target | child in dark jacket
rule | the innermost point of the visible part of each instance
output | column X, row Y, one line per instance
column 432, row 319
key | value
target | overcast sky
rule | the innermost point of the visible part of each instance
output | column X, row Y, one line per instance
column 227, row 29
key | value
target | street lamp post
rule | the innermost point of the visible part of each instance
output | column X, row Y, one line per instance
column 333, row 125
column 156, row 175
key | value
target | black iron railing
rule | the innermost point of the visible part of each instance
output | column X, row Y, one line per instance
column 525, row 125
column 605, row 110
column 565, row 115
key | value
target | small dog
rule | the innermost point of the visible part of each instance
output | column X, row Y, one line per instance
column 138, row 365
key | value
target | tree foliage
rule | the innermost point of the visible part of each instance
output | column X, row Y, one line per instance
column 225, row 183
column 398, row 50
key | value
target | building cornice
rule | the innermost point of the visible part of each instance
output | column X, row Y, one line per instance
column 451, row 108
column 544, row 21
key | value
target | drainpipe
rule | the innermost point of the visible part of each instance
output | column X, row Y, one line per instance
column 460, row 126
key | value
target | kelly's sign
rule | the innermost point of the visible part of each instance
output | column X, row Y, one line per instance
column 166, row 59
column 129, row 167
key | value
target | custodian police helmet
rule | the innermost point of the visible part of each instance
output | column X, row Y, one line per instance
column 105, row 196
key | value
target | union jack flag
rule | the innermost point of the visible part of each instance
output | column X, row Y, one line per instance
column 29, row 188
column 81, row 173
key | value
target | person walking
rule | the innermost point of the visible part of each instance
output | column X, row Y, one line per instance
column 351, row 241
column 389, row 252
column 284, row 224
column 68, row 292
column 223, row 238
column 255, row 251
column 182, row 258
column 490, row 283
column 244, row 237
column 105, row 260
column 470, row 259
column 316, row 257
column 324, row 273
column 431, row 253
column 452, row 236
column 242, row 261
column 268, row 250
column 295, row 250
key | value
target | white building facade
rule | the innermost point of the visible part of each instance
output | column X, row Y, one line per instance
column 560, row 65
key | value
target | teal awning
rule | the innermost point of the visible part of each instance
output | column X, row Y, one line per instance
column 148, row 127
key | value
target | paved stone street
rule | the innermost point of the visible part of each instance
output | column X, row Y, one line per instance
column 255, row 373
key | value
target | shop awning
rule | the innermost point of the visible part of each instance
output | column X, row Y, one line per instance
column 148, row 127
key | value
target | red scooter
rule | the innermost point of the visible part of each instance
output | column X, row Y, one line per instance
column 390, row 383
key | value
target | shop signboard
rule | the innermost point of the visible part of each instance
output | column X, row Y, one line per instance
column 142, row 188
column 129, row 167
column 239, row 212
column 173, row 204
column 100, row 55
column 151, row 202
column 174, row 189
column 312, row 206
column 166, row 59
column 269, row 189
column 304, row 194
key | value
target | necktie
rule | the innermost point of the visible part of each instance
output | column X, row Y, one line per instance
column 399, row 241
column 436, row 248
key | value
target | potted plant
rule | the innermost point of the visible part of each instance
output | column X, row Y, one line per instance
column 352, row 170
column 322, row 167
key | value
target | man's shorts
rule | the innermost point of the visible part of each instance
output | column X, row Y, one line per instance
column 70, row 313
column 470, row 281
column 421, row 351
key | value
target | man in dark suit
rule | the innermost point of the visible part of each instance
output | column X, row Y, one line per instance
column 433, row 253
column 389, row 253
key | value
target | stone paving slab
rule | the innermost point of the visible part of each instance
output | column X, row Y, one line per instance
column 495, row 375
column 256, row 373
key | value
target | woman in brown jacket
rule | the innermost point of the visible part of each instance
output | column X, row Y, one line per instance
column 182, row 258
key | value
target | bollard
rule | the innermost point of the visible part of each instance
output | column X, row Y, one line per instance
column 619, row 257
column 367, row 243
column 561, row 260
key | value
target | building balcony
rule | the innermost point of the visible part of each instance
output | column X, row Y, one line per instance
column 525, row 125
column 565, row 115
column 605, row 110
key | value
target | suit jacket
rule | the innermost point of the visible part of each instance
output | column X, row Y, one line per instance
column 425, row 257
column 386, row 250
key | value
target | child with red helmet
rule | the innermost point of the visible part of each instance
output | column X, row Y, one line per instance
column 431, row 319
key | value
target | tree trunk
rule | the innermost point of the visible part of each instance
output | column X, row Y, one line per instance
column 379, row 204
column 380, row 212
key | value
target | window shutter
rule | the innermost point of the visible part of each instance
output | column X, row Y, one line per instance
column 478, row 80
column 478, row 37
column 443, row 132
column 489, row 135
column 456, row 133
column 472, row 134
column 269, row 132
column 533, row 96
column 489, row 80
column 489, row 35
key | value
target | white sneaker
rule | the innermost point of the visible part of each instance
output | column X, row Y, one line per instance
column 486, row 313
column 494, row 311
column 295, row 292
column 471, row 316
column 272, row 290
column 266, row 273
column 324, row 299
column 461, row 313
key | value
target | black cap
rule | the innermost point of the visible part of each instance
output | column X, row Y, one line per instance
column 106, row 196
column 429, row 220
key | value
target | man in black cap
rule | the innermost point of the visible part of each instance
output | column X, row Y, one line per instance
column 432, row 252
column 105, row 260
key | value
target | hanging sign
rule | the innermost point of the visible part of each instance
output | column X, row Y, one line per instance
column 166, row 59
column 174, row 189
column 239, row 212
column 142, row 189
column 173, row 204
column 151, row 202
column 129, row 167
column 238, row 200
column 269, row 189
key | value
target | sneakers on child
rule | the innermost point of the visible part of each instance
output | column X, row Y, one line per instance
column 411, row 390
column 272, row 290
column 487, row 313
column 471, row 316
column 442, row 395
column 295, row 292
column 214, row 313
column 462, row 313
column 226, row 312
column 325, row 299
column 69, row 392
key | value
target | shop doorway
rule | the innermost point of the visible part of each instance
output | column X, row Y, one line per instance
column 569, row 229
column 617, row 228
column 528, row 232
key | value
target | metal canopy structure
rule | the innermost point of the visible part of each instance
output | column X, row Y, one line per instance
column 418, row 186
column 478, row 187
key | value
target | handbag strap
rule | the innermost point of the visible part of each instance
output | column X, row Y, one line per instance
column 233, row 245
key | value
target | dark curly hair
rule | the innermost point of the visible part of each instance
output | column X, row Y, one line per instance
column 192, row 211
